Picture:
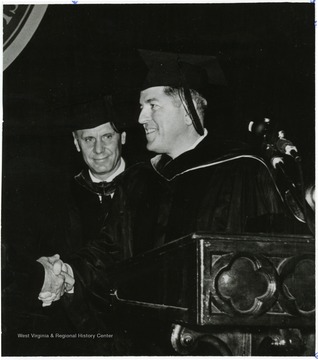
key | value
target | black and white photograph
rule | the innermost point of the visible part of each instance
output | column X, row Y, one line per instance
column 158, row 179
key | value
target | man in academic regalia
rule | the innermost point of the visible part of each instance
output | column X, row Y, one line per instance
column 195, row 183
column 98, row 137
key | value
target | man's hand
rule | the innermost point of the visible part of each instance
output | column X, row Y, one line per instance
column 57, row 279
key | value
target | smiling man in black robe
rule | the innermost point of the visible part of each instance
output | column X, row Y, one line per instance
column 100, row 141
column 193, row 184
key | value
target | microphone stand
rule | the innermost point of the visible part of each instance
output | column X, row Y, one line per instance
column 297, row 202
column 294, row 198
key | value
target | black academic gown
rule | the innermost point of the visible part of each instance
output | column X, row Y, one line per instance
column 88, row 209
column 204, row 189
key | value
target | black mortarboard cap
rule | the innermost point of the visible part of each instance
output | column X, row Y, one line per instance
column 179, row 70
column 90, row 114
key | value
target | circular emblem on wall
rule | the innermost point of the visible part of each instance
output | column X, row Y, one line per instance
column 19, row 24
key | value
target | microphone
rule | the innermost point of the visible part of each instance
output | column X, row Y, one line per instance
column 286, row 146
column 260, row 127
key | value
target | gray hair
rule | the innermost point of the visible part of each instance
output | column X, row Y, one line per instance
column 200, row 101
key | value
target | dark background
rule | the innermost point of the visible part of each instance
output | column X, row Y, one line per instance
column 78, row 51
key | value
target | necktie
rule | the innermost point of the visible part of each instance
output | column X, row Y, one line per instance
column 105, row 188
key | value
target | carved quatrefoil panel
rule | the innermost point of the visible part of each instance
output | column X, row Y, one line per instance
column 243, row 284
column 297, row 279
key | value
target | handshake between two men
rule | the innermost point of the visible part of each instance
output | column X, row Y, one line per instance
column 58, row 279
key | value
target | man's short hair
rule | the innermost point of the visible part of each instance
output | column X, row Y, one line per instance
column 200, row 101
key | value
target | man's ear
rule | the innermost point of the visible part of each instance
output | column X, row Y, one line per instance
column 76, row 142
column 187, row 119
column 123, row 137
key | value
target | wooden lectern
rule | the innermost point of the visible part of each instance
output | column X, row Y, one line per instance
column 240, row 294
